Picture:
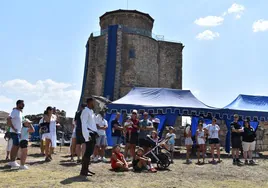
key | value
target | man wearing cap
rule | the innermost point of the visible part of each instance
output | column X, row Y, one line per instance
column 146, row 127
column 15, row 122
column 80, row 146
column 236, row 139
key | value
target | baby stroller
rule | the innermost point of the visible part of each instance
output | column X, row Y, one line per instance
column 159, row 154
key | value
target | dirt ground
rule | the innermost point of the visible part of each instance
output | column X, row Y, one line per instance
column 63, row 173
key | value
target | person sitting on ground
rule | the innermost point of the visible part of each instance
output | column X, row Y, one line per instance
column 171, row 141
column 248, row 142
column 24, row 139
column 118, row 161
column 200, row 138
column 188, row 142
column 140, row 162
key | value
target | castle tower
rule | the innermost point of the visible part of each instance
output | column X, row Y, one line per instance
column 126, row 54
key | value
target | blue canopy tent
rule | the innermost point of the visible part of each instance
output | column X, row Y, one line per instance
column 167, row 103
column 246, row 106
column 162, row 101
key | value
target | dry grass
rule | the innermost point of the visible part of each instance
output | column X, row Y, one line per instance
column 62, row 173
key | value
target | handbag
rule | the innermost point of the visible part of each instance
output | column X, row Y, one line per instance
column 7, row 136
column 44, row 127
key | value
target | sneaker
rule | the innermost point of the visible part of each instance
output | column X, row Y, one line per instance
column 72, row 159
column 188, row 161
column 251, row 162
column 13, row 164
column 246, row 162
column 104, row 160
column 238, row 161
column 79, row 161
column 153, row 170
column 47, row 159
column 24, row 167
column 96, row 159
column 234, row 162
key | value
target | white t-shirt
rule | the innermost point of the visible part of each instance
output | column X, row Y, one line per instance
column 213, row 131
column 16, row 119
column 187, row 130
column 102, row 123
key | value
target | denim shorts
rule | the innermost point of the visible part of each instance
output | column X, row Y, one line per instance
column 16, row 138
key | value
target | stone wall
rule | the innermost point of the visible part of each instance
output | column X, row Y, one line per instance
column 141, row 69
column 131, row 19
column 170, row 65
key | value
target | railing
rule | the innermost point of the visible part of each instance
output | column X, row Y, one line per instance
column 136, row 31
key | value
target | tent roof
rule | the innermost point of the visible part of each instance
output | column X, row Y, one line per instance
column 158, row 99
column 249, row 106
column 249, row 103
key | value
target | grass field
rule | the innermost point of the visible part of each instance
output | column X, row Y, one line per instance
column 62, row 173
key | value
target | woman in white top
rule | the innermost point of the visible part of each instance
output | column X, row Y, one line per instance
column 51, row 136
column 213, row 138
column 200, row 138
column 188, row 142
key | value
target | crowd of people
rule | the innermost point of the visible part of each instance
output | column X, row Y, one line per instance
column 89, row 139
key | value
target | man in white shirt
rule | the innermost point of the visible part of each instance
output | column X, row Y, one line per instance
column 89, row 130
column 101, row 142
column 15, row 122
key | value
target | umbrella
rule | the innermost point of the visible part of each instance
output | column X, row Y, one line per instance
column 102, row 101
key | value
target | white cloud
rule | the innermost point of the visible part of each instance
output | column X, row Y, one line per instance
column 260, row 25
column 209, row 21
column 237, row 10
column 4, row 99
column 41, row 94
column 207, row 35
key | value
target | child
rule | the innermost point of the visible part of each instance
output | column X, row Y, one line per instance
column 171, row 141
column 188, row 142
column 200, row 138
column 141, row 162
column 128, row 128
column 24, row 137
column 118, row 161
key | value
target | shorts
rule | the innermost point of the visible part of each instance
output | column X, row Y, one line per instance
column 134, row 138
column 74, row 135
column 236, row 142
column 249, row 146
column 116, row 140
column 144, row 143
column 101, row 140
column 52, row 137
column 171, row 147
column 200, row 141
column 188, row 141
column 9, row 144
column 16, row 138
column 136, row 167
column 79, row 137
column 23, row 144
column 213, row 141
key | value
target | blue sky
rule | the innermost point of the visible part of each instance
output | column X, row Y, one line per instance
column 42, row 47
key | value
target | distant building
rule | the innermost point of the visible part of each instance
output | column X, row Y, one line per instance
column 126, row 54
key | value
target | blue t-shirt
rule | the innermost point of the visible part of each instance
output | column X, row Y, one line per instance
column 24, row 133
column 172, row 138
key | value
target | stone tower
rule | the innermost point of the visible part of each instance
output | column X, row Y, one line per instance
column 126, row 54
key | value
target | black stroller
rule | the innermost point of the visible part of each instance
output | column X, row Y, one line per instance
column 159, row 154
